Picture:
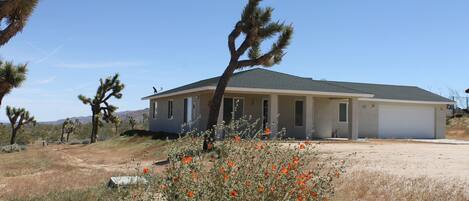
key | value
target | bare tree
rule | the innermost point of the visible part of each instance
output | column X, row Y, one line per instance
column 100, row 107
column 255, row 26
column 18, row 117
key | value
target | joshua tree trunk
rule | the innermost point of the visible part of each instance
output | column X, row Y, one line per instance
column 1, row 97
column 218, row 95
column 13, row 136
column 68, row 135
column 94, row 130
column 62, row 136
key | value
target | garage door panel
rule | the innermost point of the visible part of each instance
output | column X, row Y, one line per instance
column 401, row 121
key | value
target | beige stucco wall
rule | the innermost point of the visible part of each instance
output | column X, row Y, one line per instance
column 440, row 121
column 287, row 116
column 325, row 116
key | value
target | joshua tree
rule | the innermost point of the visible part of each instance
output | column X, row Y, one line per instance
column 132, row 122
column 18, row 117
column 15, row 14
column 116, row 121
column 100, row 108
column 71, row 127
column 11, row 76
column 68, row 126
column 255, row 26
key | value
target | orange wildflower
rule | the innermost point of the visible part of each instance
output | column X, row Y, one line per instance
column 267, row 131
column 225, row 177
column 237, row 138
column 314, row 194
column 234, row 193
column 284, row 170
column 231, row 164
column 296, row 160
column 187, row 159
column 302, row 146
column 300, row 198
column 274, row 167
column 146, row 170
column 337, row 174
column 222, row 170
column 190, row 194
column 260, row 189
column 259, row 146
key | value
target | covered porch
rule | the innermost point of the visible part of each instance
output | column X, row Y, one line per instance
column 301, row 116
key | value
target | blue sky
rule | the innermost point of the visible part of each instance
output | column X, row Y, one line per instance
column 69, row 45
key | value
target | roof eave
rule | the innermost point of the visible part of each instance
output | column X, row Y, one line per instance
column 263, row 91
column 409, row 101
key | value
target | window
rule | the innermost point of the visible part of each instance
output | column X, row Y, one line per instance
column 343, row 113
column 170, row 109
column 299, row 113
column 232, row 107
column 155, row 109
column 188, row 109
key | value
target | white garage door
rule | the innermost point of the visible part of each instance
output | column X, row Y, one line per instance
column 406, row 121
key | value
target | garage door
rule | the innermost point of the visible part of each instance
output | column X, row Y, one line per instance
column 402, row 121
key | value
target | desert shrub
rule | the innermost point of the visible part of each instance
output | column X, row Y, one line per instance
column 243, row 167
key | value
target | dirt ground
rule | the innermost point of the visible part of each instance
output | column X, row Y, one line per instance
column 41, row 170
column 376, row 169
column 436, row 165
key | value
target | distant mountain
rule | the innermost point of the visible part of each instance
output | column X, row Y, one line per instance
column 136, row 114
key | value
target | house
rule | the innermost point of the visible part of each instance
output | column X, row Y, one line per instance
column 305, row 108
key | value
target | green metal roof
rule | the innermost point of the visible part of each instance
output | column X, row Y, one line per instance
column 394, row 92
column 260, row 78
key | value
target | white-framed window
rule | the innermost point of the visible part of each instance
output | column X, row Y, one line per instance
column 343, row 112
column 170, row 109
column 155, row 109
column 299, row 111
column 233, row 108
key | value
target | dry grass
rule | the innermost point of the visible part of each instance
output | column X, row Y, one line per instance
column 73, row 168
column 458, row 128
column 363, row 185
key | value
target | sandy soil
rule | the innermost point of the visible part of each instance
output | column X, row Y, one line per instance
column 40, row 170
column 442, row 162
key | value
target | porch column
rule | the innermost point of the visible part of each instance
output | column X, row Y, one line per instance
column 353, row 118
column 273, row 114
column 309, row 127
column 219, row 128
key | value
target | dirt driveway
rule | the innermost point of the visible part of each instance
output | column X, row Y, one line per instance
column 444, row 163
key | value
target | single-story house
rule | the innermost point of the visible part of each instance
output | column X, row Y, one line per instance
column 304, row 107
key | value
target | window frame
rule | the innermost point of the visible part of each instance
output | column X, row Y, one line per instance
column 170, row 109
column 346, row 113
column 155, row 109
column 234, row 99
column 302, row 113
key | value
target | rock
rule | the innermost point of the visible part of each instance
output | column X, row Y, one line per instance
column 85, row 142
column 162, row 162
column 126, row 181
column 11, row 148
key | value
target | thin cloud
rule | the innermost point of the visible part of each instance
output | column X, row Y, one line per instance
column 48, row 80
column 46, row 54
column 98, row 65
